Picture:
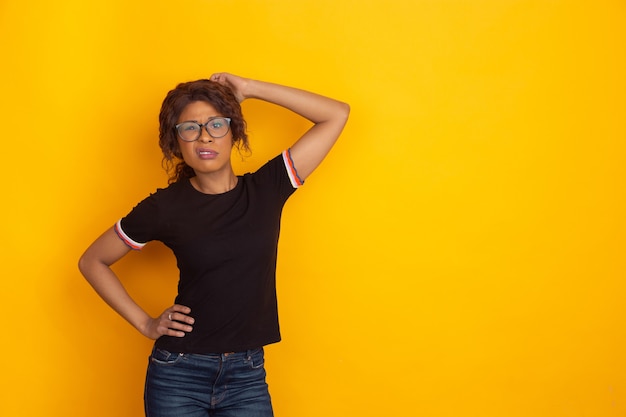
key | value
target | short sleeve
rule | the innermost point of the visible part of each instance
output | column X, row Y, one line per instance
column 140, row 225
column 280, row 175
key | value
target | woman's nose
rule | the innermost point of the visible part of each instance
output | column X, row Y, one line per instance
column 204, row 136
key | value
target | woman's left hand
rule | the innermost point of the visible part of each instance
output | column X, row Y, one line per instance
column 235, row 83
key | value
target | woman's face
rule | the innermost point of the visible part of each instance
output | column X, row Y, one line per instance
column 207, row 154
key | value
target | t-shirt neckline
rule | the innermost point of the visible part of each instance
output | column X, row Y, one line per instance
column 190, row 185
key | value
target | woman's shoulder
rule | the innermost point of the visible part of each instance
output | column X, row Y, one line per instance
column 273, row 177
column 173, row 191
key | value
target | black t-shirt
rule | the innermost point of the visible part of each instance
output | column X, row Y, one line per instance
column 225, row 246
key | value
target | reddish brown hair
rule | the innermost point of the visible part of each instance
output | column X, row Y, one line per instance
column 217, row 95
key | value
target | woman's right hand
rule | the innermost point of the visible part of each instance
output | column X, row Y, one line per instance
column 237, row 84
column 174, row 321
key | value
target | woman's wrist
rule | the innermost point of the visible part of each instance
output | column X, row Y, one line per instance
column 251, row 89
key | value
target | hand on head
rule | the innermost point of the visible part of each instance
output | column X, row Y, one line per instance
column 234, row 82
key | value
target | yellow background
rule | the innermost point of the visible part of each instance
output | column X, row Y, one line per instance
column 460, row 252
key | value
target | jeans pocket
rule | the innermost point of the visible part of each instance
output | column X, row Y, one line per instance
column 255, row 359
column 164, row 357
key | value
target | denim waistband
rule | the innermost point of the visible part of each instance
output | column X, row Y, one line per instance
column 224, row 356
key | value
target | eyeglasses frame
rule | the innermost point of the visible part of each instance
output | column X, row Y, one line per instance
column 205, row 126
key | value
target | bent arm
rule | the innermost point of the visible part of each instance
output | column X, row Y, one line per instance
column 329, row 116
column 95, row 264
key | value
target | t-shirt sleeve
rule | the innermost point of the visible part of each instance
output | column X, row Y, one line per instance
column 140, row 225
column 282, row 173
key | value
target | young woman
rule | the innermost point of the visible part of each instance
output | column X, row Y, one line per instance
column 223, row 230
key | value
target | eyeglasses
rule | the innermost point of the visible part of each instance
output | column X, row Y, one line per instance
column 216, row 127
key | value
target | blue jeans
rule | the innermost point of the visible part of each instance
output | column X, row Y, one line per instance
column 217, row 385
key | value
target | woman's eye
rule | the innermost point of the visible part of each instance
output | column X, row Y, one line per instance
column 190, row 128
column 216, row 125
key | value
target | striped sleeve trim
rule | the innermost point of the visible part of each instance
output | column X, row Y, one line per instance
column 295, row 179
column 125, row 238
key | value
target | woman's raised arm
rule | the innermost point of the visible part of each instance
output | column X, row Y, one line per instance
column 328, row 115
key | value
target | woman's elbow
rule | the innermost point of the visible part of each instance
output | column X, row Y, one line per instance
column 344, row 110
column 84, row 263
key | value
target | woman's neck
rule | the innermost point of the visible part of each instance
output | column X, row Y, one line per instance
column 214, row 183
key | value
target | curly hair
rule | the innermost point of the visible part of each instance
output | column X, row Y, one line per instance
column 217, row 95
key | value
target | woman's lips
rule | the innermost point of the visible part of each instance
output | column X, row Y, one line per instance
column 204, row 153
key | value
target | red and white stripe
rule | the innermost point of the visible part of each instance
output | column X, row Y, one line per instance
column 296, row 181
column 125, row 238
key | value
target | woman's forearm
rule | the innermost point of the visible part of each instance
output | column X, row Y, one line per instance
column 108, row 286
column 312, row 106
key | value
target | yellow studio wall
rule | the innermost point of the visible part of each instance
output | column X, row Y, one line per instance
column 460, row 252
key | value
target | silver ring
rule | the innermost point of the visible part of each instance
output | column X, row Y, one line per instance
column 169, row 316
